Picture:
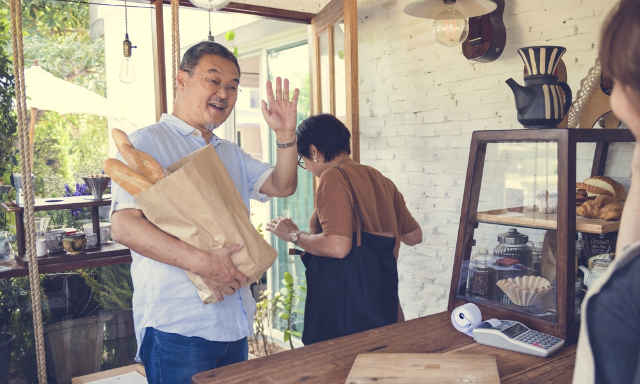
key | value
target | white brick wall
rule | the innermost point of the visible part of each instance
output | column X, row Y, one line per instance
column 419, row 103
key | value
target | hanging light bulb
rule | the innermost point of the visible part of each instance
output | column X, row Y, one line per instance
column 127, row 72
column 210, row 38
column 211, row 5
column 450, row 27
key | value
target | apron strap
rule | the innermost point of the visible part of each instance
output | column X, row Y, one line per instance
column 356, row 208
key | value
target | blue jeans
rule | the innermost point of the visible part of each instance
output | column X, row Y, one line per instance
column 170, row 358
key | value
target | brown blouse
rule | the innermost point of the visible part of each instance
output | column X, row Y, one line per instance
column 381, row 204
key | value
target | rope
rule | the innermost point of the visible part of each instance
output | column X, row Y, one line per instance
column 27, row 186
column 175, row 42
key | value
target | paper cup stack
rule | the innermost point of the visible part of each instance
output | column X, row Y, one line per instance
column 525, row 291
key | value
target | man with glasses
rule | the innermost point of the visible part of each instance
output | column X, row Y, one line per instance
column 177, row 335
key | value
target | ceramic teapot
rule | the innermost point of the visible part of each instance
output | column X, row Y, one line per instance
column 600, row 266
column 538, row 103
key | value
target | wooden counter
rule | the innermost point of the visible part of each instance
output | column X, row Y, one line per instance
column 330, row 361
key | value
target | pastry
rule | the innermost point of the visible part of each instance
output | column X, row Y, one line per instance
column 598, row 184
column 603, row 207
column 581, row 196
column 547, row 202
column 612, row 211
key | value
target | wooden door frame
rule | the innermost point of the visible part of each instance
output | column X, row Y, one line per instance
column 333, row 12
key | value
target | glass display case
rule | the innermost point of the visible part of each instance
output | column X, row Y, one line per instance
column 519, row 254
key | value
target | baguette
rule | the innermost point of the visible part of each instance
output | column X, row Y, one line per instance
column 149, row 167
column 125, row 177
column 125, row 148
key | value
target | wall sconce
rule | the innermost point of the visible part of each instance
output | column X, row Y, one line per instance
column 450, row 24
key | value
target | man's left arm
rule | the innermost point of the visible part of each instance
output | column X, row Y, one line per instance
column 281, row 115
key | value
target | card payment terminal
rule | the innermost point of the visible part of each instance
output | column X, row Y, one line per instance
column 515, row 336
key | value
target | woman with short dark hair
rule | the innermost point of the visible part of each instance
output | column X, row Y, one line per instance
column 351, row 254
column 609, row 345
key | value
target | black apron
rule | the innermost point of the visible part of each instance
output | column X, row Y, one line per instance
column 354, row 294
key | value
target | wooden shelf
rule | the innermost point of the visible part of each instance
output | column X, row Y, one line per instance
column 53, row 203
column 533, row 219
column 107, row 254
column 109, row 249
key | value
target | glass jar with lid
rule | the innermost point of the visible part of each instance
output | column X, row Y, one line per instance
column 481, row 273
column 536, row 249
column 513, row 256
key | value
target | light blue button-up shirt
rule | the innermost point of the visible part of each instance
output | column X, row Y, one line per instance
column 164, row 298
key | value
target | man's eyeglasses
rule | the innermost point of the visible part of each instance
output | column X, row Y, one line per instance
column 217, row 85
column 301, row 163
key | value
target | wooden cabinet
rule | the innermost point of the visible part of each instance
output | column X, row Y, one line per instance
column 506, row 171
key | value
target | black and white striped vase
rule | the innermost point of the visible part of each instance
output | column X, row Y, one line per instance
column 539, row 102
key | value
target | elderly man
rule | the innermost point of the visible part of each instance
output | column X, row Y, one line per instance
column 177, row 335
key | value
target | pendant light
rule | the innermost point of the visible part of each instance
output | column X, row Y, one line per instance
column 210, row 38
column 450, row 17
column 127, row 71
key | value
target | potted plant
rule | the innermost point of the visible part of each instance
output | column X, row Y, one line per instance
column 10, row 294
column 73, row 340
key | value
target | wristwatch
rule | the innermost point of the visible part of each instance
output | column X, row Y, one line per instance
column 295, row 237
column 287, row 145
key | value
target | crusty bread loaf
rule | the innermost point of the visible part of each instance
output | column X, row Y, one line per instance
column 149, row 167
column 592, row 190
column 608, row 184
column 125, row 177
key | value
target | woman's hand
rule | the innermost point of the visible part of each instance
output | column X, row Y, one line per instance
column 283, row 228
column 281, row 114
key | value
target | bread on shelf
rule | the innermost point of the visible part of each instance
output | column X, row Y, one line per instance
column 603, row 185
column 581, row 196
column 603, row 207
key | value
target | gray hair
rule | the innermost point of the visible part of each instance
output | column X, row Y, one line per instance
column 193, row 55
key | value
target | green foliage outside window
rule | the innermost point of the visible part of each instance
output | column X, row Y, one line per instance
column 57, row 35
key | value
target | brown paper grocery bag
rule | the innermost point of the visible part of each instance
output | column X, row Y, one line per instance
column 200, row 205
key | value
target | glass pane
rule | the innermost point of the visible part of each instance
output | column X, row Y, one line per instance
column 325, row 75
column 294, row 63
column 514, row 175
column 340, row 84
column 492, row 261
column 584, row 160
column 519, row 192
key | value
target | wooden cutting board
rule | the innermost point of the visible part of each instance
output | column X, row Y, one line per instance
column 410, row 368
